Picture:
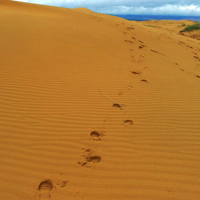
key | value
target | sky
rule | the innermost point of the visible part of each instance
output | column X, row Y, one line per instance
column 137, row 7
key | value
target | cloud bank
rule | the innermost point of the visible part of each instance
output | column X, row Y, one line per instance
column 157, row 7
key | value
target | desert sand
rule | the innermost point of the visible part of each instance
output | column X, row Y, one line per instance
column 96, row 107
column 173, row 27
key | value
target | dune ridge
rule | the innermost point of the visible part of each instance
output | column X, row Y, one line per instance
column 173, row 27
column 96, row 107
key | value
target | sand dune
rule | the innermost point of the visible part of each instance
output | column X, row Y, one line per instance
column 173, row 27
column 96, row 107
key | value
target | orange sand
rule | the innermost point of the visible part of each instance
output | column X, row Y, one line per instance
column 173, row 27
column 95, row 107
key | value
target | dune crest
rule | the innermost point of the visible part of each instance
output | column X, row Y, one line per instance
column 96, row 107
column 173, row 27
column 84, row 10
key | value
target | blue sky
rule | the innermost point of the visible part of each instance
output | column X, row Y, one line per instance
column 154, row 7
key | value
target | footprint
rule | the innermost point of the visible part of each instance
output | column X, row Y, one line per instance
column 129, row 41
column 196, row 57
column 44, row 189
column 116, row 105
column 125, row 33
column 95, row 135
column 144, row 80
column 189, row 47
column 129, row 28
column 87, row 150
column 62, row 183
column 141, row 46
column 45, row 185
column 136, row 73
column 154, row 51
column 91, row 161
column 94, row 159
column 129, row 87
column 128, row 122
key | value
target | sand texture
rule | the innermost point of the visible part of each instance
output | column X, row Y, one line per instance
column 95, row 107
column 173, row 27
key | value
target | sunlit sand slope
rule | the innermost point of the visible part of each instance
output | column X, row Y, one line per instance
column 174, row 27
column 96, row 107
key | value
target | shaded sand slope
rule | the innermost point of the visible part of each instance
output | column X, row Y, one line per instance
column 96, row 107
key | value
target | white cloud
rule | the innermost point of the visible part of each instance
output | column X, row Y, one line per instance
column 173, row 7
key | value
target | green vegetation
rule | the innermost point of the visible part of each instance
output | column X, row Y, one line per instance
column 191, row 27
column 151, row 25
column 183, row 24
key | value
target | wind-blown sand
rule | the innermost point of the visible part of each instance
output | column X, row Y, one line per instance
column 96, row 107
column 173, row 27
